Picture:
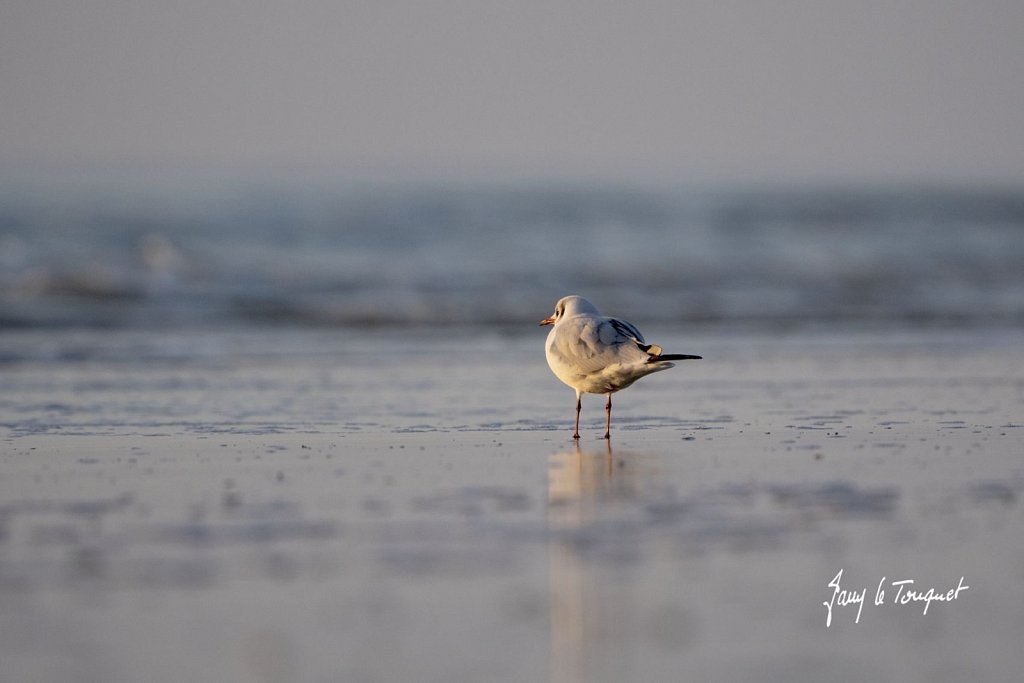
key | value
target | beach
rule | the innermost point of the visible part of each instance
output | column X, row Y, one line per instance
column 310, row 504
column 274, row 401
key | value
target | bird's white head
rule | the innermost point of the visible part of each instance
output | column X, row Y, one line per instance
column 569, row 306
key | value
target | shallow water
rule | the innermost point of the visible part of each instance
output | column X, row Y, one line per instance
column 129, row 256
column 314, row 505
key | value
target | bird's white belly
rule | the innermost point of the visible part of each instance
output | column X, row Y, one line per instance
column 609, row 378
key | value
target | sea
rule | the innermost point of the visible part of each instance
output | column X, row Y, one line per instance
column 144, row 255
column 304, row 431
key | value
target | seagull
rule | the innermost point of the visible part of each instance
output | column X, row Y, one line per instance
column 595, row 354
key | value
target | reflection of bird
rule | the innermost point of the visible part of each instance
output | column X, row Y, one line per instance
column 595, row 354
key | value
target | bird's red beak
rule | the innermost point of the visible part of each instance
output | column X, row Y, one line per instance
column 547, row 321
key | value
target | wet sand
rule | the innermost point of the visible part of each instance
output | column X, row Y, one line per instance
column 324, row 506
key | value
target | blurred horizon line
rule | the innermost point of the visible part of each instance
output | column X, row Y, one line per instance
column 289, row 173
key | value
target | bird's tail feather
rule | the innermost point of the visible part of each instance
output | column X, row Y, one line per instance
column 672, row 356
column 655, row 353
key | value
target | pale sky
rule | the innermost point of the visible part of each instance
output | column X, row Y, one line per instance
column 759, row 91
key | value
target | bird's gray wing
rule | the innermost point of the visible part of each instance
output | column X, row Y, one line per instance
column 628, row 331
column 604, row 341
column 589, row 345
column 578, row 344
column 625, row 329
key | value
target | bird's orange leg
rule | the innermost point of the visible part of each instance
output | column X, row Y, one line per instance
column 608, row 417
column 579, row 407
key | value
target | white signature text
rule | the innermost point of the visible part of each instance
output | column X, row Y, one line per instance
column 905, row 592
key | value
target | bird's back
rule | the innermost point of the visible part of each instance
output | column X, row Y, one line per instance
column 597, row 354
